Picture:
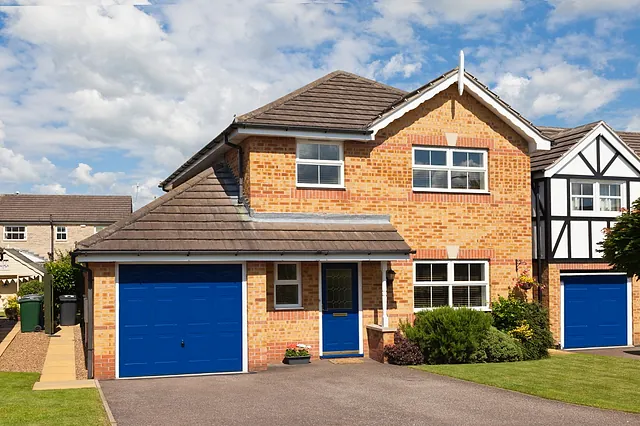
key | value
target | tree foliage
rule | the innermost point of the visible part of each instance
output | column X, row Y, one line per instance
column 621, row 243
column 63, row 274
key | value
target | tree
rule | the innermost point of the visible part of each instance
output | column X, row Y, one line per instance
column 621, row 244
column 63, row 274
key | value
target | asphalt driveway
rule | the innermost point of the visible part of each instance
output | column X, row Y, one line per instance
column 328, row 394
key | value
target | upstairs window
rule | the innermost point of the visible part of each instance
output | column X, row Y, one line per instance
column 456, row 284
column 320, row 164
column 15, row 233
column 448, row 169
column 61, row 233
column 596, row 197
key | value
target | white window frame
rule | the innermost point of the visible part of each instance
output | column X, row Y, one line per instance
column 596, row 197
column 65, row 232
column 96, row 230
column 340, row 163
column 4, row 233
column 451, row 168
column 450, row 283
column 277, row 282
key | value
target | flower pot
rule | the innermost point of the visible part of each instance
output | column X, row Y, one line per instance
column 296, row 360
column 526, row 286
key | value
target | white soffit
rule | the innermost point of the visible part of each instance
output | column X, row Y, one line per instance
column 524, row 129
column 602, row 129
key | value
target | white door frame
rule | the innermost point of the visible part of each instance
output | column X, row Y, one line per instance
column 360, row 329
column 245, row 336
column 629, row 307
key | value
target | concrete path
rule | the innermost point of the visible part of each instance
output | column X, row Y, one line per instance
column 329, row 394
column 59, row 371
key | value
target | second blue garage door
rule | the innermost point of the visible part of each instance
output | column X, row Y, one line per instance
column 595, row 311
column 179, row 319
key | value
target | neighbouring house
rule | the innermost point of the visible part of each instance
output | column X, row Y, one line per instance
column 581, row 185
column 16, row 267
column 46, row 224
column 324, row 218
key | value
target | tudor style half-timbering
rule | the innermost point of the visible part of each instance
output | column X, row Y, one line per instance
column 579, row 188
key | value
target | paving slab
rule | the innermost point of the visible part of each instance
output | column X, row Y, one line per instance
column 323, row 393
column 59, row 365
column 70, row 384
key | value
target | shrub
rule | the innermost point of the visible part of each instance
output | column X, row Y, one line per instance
column 403, row 351
column 31, row 287
column 527, row 322
column 63, row 274
column 12, row 311
column 449, row 336
column 500, row 347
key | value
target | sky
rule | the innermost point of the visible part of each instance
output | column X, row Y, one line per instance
column 111, row 96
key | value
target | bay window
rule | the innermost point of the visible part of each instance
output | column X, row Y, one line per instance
column 451, row 283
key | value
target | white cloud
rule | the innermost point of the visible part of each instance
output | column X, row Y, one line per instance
column 566, row 10
column 634, row 124
column 398, row 65
column 564, row 90
column 102, row 180
column 51, row 188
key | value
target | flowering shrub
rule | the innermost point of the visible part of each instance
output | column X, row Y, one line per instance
column 522, row 332
column 295, row 350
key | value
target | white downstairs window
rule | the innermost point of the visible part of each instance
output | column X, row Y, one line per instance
column 287, row 285
column 451, row 283
column 15, row 233
column 449, row 169
column 320, row 164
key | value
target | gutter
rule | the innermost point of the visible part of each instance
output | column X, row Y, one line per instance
column 88, row 313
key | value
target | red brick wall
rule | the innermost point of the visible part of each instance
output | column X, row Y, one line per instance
column 378, row 180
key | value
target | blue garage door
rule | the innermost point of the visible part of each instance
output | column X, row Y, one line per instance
column 179, row 319
column 595, row 311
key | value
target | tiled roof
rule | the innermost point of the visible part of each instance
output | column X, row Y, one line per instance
column 339, row 100
column 80, row 209
column 202, row 215
column 562, row 140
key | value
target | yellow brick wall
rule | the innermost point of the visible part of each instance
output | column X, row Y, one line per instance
column 104, row 294
column 39, row 239
column 378, row 180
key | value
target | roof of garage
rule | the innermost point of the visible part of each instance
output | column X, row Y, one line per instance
column 202, row 215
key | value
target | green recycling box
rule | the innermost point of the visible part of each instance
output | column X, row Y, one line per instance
column 31, row 312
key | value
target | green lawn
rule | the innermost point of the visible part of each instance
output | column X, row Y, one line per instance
column 598, row 381
column 19, row 405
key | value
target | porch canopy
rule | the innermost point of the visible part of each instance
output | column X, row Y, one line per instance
column 17, row 267
column 204, row 217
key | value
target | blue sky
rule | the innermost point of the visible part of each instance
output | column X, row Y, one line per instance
column 109, row 96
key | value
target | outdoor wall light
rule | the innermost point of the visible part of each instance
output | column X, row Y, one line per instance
column 391, row 276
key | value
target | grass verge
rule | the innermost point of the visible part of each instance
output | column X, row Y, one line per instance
column 596, row 381
column 19, row 405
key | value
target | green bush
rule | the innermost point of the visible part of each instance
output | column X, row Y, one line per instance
column 449, row 336
column 63, row 274
column 31, row 287
column 12, row 311
column 499, row 347
column 527, row 322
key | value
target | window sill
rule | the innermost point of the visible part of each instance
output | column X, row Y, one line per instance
column 451, row 191
column 324, row 188
column 289, row 308
column 483, row 309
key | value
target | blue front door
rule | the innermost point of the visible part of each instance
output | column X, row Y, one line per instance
column 595, row 311
column 340, row 307
column 179, row 319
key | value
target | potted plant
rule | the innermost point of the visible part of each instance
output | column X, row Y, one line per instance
column 297, row 354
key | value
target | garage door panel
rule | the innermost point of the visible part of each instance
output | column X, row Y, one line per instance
column 595, row 311
column 172, row 317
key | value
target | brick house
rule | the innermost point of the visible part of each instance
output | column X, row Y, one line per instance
column 325, row 218
column 45, row 224
column 579, row 187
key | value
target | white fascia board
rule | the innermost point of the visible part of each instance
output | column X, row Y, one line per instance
column 305, row 134
column 602, row 129
column 536, row 141
column 401, row 110
column 225, row 258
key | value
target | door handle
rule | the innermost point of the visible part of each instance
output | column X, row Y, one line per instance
column 182, row 344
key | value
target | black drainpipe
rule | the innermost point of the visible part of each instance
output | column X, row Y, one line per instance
column 536, row 194
column 240, row 167
column 88, row 313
